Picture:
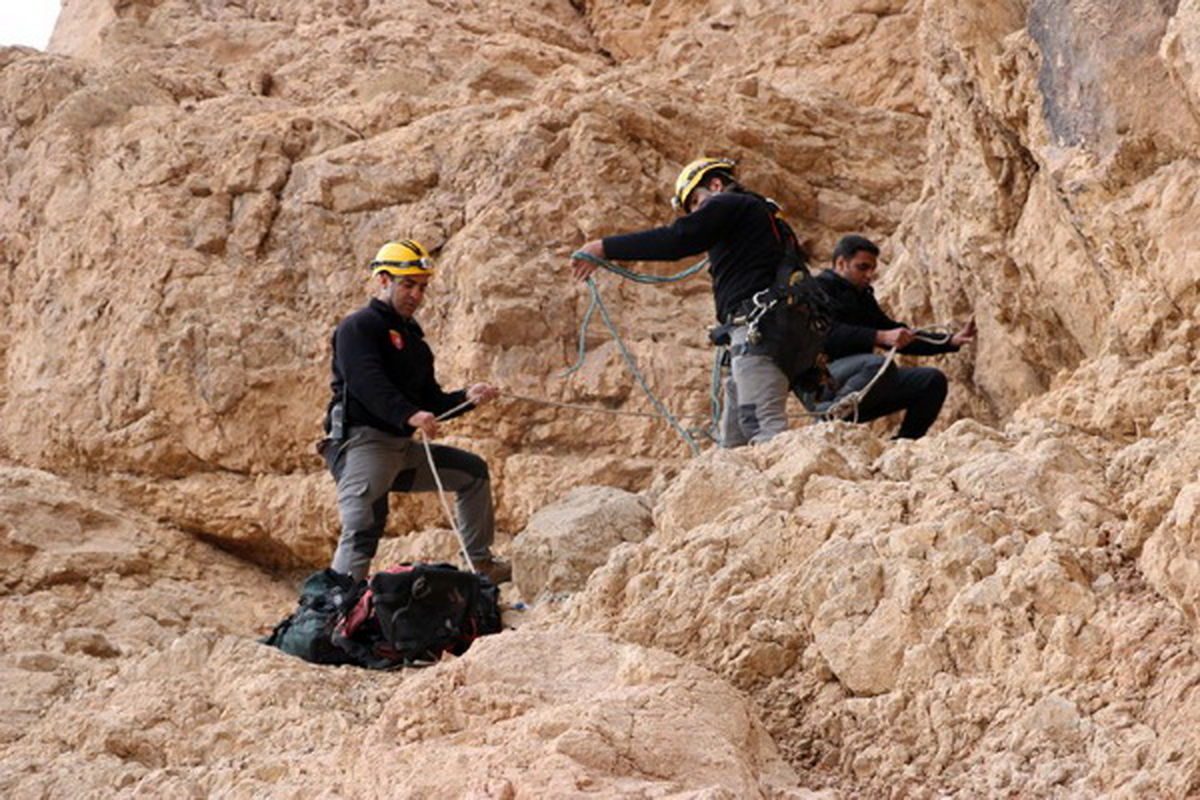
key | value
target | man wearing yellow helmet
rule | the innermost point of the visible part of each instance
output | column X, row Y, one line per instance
column 746, row 244
column 383, row 391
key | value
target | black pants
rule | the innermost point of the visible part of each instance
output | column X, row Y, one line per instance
column 918, row 391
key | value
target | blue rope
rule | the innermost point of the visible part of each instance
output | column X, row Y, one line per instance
column 598, row 304
column 714, row 395
column 587, row 320
column 639, row 277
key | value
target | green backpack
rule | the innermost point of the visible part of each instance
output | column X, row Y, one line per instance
column 306, row 633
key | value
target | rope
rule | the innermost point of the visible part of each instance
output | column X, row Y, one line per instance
column 597, row 304
column 854, row 399
column 936, row 334
column 441, row 490
column 714, row 396
column 616, row 412
column 639, row 277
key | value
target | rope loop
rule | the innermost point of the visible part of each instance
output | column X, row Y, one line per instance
column 639, row 277
column 597, row 305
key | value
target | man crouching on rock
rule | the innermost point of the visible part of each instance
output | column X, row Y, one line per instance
column 384, row 391
column 859, row 326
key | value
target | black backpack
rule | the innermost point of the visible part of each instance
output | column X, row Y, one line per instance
column 409, row 615
column 792, row 330
column 307, row 633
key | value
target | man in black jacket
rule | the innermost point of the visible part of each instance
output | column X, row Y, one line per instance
column 745, row 247
column 383, row 391
column 860, row 325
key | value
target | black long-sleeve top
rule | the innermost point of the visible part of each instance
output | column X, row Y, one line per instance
column 856, row 318
column 381, row 361
column 744, row 247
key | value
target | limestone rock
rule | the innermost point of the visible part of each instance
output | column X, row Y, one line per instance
column 565, row 541
column 909, row 596
column 160, row 688
column 189, row 194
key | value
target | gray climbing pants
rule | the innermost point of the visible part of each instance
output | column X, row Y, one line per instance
column 756, row 390
column 370, row 463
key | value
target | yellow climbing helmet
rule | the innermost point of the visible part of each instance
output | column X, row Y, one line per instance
column 404, row 257
column 693, row 175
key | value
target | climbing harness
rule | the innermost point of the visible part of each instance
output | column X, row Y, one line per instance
column 760, row 305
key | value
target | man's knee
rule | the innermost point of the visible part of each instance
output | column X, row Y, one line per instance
column 363, row 515
column 477, row 467
column 464, row 461
column 935, row 383
column 856, row 370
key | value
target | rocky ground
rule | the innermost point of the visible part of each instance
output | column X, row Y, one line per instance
column 1008, row 608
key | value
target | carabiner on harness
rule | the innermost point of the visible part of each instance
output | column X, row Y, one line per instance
column 763, row 302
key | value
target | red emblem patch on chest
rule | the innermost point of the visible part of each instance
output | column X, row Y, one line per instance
column 397, row 340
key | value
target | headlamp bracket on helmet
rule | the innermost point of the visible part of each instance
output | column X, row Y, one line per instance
column 403, row 257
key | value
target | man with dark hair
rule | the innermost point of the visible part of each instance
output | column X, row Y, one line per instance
column 746, row 244
column 859, row 326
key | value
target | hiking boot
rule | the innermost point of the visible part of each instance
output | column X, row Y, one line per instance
column 496, row 570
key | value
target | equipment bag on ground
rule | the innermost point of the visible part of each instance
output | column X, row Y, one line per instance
column 411, row 614
column 307, row 633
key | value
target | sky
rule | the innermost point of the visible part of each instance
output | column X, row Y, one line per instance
column 27, row 22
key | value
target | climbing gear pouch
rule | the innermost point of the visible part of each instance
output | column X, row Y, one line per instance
column 331, row 446
column 337, row 421
column 788, row 324
column 330, row 450
column 792, row 329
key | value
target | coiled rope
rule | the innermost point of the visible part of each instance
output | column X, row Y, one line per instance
column 597, row 304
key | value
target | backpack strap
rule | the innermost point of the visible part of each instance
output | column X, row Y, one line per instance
column 794, row 259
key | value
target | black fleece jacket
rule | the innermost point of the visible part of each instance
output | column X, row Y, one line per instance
column 382, row 362
column 737, row 230
column 857, row 316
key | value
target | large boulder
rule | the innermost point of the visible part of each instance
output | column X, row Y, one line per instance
column 566, row 541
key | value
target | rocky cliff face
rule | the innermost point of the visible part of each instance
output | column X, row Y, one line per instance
column 191, row 191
